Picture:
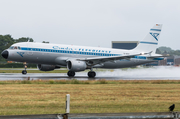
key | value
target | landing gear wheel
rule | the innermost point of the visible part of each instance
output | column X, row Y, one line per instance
column 71, row 73
column 24, row 72
column 91, row 74
column 25, row 67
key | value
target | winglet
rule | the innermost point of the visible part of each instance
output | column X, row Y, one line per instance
column 146, row 53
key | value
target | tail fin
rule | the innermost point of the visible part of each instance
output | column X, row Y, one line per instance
column 150, row 42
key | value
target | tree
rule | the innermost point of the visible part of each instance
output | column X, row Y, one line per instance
column 23, row 39
column 45, row 42
column 158, row 51
column 6, row 41
column 163, row 49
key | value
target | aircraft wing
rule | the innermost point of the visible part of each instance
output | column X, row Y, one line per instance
column 97, row 60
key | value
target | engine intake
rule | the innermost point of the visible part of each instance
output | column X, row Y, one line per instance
column 74, row 65
column 46, row 67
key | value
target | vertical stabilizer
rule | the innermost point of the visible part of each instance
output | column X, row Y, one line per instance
column 150, row 42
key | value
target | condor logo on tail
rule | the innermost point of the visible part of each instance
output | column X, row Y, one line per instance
column 155, row 35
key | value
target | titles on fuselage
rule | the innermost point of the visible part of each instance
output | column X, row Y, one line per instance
column 81, row 49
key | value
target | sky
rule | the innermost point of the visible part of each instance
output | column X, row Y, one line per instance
column 90, row 22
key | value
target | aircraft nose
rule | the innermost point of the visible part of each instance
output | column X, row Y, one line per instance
column 5, row 54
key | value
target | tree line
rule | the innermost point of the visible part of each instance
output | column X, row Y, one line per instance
column 167, row 50
column 6, row 41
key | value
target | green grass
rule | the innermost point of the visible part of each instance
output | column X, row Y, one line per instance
column 100, row 81
column 33, row 71
column 92, row 96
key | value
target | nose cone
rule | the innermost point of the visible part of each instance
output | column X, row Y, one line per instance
column 5, row 54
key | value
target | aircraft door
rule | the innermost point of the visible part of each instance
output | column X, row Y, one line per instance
column 30, row 49
column 75, row 54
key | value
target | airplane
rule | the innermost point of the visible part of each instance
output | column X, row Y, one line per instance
column 79, row 58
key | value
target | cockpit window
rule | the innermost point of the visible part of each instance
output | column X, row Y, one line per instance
column 14, row 47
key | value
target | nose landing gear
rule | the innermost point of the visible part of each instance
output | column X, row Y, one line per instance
column 25, row 67
column 24, row 72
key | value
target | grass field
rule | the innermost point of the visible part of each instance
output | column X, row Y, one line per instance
column 35, row 70
column 32, row 71
column 101, row 96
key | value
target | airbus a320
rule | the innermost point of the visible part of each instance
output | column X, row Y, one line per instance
column 79, row 58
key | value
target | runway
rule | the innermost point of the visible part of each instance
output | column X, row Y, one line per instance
column 154, row 73
column 56, row 76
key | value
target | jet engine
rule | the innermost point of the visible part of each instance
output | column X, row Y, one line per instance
column 46, row 67
column 74, row 65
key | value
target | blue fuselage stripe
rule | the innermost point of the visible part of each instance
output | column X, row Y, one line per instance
column 77, row 52
column 69, row 52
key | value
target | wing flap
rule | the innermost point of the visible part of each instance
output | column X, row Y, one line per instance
column 97, row 60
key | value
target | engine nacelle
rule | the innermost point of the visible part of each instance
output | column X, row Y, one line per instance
column 74, row 65
column 46, row 67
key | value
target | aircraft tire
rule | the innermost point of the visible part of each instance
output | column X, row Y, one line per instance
column 24, row 72
column 71, row 73
column 91, row 74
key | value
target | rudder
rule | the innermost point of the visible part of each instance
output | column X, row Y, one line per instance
column 150, row 42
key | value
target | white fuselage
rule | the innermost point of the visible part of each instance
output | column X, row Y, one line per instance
column 79, row 58
column 58, row 54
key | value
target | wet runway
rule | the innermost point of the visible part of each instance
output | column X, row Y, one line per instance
column 80, row 76
column 154, row 73
column 56, row 76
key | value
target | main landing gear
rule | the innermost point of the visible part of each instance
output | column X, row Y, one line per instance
column 25, row 67
column 71, row 73
column 91, row 74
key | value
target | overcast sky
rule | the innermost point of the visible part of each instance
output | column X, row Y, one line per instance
column 90, row 22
